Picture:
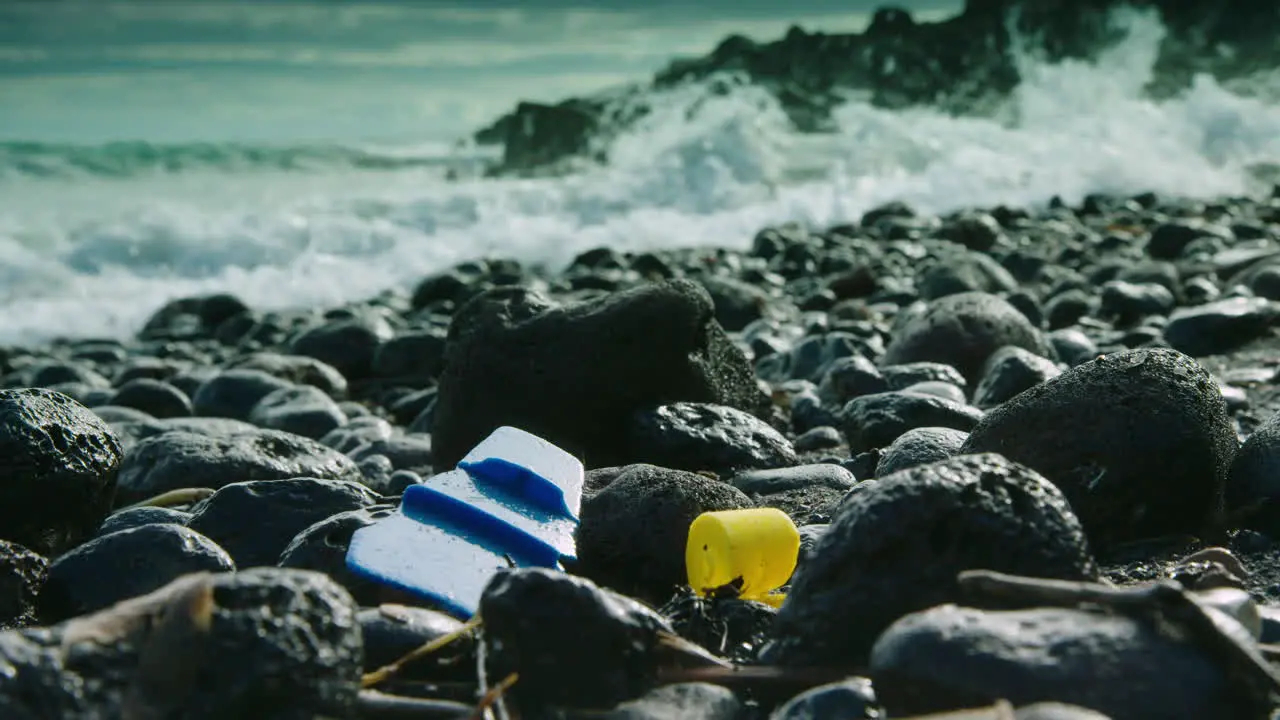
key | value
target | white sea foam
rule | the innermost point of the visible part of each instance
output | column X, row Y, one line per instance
column 87, row 255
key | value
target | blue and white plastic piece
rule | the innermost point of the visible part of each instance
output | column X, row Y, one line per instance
column 512, row 502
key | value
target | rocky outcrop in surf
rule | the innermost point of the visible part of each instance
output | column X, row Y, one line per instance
column 963, row 65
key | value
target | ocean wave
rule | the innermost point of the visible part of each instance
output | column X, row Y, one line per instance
column 706, row 165
column 128, row 159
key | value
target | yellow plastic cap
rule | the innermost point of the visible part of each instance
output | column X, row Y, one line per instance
column 759, row 545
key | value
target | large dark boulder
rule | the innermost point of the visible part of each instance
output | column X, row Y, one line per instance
column 1139, row 441
column 577, row 374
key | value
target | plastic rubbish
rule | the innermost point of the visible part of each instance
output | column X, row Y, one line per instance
column 512, row 502
column 760, row 546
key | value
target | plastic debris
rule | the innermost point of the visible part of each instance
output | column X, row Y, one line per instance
column 757, row 547
column 512, row 502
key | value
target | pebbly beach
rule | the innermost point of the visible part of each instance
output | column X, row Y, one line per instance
column 1030, row 451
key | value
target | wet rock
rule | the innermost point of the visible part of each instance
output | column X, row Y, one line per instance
column 897, row 544
column 528, row 613
column 358, row 432
column 125, row 564
column 575, row 375
column 392, row 631
column 920, row 446
column 1219, row 326
column 875, row 421
column 410, row 451
column 193, row 317
column 975, row 230
column 737, row 303
column 949, row 657
column 301, row 410
column 813, row 356
column 323, row 547
column 59, row 469
column 823, row 437
column 1072, row 346
column 970, row 272
column 962, row 331
column 766, row 482
column 255, row 521
column 414, row 358
column 903, row 376
column 154, row 397
column 852, row 699
column 698, row 436
column 1129, row 302
column 633, row 532
column 849, row 377
column 1168, row 241
column 296, row 369
column 178, row 459
column 1139, row 441
column 22, row 574
column 234, row 393
column 682, row 700
column 1066, row 308
column 139, row 516
column 944, row 390
column 1056, row 711
column 1254, row 481
column 1010, row 371
column 348, row 345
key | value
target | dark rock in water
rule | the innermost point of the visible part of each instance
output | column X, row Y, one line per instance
column 178, row 459
column 897, row 544
column 301, row 410
column 1129, row 302
column 415, row 357
column 531, row 614
column 903, row 376
column 949, row 657
column 963, row 331
column 737, row 303
column 1219, row 326
column 323, row 547
column 234, row 393
column 575, row 375
column 1010, row 371
column 699, row 436
column 724, row 626
column 255, row 521
column 137, row 517
column 970, row 272
column 1265, row 282
column 1139, row 441
column 392, row 631
column 976, row 231
column 125, row 564
column 22, row 575
column 58, row 473
column 349, row 345
column 156, row 398
column 682, row 700
column 633, row 532
column 823, row 437
column 852, row 699
column 766, row 482
column 849, row 377
column 191, row 318
column 875, row 421
column 296, row 369
column 920, row 446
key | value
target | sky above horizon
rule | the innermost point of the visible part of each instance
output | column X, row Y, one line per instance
column 333, row 70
